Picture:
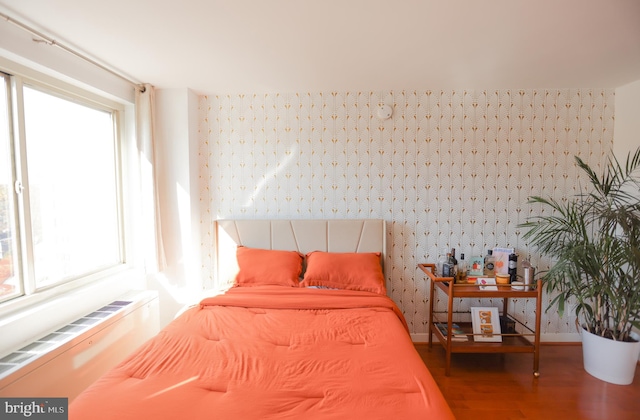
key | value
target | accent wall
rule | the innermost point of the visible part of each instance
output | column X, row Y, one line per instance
column 449, row 169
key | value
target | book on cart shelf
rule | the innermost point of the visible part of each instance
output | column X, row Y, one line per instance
column 486, row 283
column 486, row 324
column 458, row 333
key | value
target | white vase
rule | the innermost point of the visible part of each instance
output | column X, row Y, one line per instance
column 609, row 360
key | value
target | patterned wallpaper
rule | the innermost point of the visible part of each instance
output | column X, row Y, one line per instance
column 449, row 169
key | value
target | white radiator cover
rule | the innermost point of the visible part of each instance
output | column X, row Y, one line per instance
column 66, row 367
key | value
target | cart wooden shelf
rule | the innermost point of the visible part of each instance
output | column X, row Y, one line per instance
column 526, row 341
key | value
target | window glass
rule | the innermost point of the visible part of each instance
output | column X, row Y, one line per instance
column 71, row 160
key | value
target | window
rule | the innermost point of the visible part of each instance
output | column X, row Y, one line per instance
column 60, row 207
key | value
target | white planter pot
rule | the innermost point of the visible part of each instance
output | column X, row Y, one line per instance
column 609, row 360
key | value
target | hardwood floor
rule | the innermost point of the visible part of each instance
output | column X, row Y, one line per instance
column 502, row 386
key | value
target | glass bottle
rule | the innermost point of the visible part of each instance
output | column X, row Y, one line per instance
column 447, row 266
column 462, row 270
column 528, row 273
column 441, row 260
column 454, row 263
column 489, row 264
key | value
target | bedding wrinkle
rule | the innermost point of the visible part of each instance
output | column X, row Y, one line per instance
column 423, row 392
column 166, row 355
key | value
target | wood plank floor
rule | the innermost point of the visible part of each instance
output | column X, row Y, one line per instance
column 497, row 386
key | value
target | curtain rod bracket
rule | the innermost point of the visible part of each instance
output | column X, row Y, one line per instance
column 43, row 41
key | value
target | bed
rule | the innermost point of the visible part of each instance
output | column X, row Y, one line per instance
column 305, row 332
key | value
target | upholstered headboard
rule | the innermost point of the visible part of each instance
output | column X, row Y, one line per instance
column 357, row 235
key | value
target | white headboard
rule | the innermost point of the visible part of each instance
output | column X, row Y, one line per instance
column 304, row 236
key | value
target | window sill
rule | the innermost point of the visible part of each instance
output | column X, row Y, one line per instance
column 27, row 318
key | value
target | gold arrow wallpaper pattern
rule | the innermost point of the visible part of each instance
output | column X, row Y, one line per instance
column 448, row 169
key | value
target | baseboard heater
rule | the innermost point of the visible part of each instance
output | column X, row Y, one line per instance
column 66, row 361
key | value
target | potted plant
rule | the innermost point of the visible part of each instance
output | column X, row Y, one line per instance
column 593, row 240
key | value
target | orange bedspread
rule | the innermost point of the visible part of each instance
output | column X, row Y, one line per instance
column 273, row 353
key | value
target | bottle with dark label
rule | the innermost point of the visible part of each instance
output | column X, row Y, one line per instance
column 513, row 267
column 489, row 264
column 454, row 262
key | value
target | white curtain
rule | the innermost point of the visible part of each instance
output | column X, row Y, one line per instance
column 145, row 122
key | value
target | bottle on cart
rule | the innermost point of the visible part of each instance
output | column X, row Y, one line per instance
column 489, row 264
column 513, row 267
column 441, row 260
column 527, row 274
column 462, row 270
column 454, row 262
column 447, row 266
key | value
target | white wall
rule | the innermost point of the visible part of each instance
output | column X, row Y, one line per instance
column 177, row 170
column 627, row 124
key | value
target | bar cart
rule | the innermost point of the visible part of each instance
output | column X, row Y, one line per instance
column 525, row 341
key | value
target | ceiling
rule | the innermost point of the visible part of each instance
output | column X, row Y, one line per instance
column 263, row 46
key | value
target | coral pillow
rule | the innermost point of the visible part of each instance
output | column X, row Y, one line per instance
column 265, row 266
column 352, row 271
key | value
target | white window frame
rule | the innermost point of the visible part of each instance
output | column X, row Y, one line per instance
column 60, row 303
